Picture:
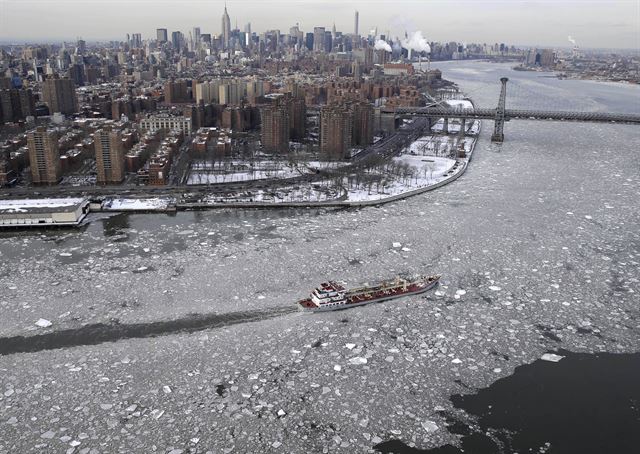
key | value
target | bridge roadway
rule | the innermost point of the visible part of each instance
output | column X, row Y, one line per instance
column 517, row 114
column 384, row 148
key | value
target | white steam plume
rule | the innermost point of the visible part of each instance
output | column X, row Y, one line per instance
column 416, row 42
column 382, row 45
column 572, row 41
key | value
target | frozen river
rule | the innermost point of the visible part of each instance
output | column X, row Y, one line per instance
column 538, row 244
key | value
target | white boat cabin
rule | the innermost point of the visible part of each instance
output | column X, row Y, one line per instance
column 329, row 294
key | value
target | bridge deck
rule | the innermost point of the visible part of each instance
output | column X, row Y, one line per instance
column 518, row 114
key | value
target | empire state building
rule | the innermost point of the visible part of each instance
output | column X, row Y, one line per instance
column 226, row 28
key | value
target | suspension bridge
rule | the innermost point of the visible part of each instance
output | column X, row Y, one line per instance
column 501, row 114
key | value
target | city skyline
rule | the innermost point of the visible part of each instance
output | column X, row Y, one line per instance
column 599, row 24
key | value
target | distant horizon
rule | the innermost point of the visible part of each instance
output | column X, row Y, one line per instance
column 594, row 24
column 59, row 41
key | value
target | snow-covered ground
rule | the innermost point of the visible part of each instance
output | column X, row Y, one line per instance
column 473, row 127
column 307, row 193
column 323, row 165
column 460, row 103
column 242, row 171
column 428, row 170
column 152, row 204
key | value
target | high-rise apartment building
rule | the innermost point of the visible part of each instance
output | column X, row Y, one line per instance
column 44, row 157
column 231, row 92
column 176, row 91
column 363, row 118
column 16, row 104
column 336, row 131
column 275, row 130
column 109, row 155
column 162, row 35
column 297, row 117
column 60, row 96
column 208, row 92
column 226, row 29
column 318, row 39
column 76, row 74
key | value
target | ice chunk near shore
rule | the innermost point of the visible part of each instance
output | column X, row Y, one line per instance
column 358, row 360
column 551, row 357
column 43, row 323
column 397, row 245
column 429, row 426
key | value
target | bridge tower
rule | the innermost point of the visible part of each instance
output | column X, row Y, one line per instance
column 498, row 131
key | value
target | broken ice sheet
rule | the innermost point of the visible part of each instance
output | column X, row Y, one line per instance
column 551, row 357
column 429, row 426
column 358, row 360
column 43, row 323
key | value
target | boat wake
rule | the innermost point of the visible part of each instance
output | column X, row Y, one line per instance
column 100, row 332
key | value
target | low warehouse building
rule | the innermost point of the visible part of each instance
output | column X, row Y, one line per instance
column 43, row 212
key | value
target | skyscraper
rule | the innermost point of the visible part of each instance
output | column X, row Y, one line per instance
column 309, row 41
column 162, row 35
column 44, row 157
column 177, row 39
column 328, row 41
column 136, row 40
column 355, row 28
column 196, row 37
column 60, row 96
column 226, row 28
column 109, row 155
column 318, row 39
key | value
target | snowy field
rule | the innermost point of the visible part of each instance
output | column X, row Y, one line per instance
column 427, row 171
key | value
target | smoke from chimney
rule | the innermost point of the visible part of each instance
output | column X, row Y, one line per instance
column 416, row 42
column 382, row 45
column 572, row 41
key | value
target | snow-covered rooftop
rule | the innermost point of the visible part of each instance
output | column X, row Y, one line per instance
column 26, row 205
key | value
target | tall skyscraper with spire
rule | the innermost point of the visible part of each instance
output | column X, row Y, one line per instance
column 355, row 28
column 226, row 28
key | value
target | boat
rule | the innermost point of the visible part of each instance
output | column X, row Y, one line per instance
column 333, row 296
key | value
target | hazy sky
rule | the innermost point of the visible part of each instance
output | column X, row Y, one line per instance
column 611, row 24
